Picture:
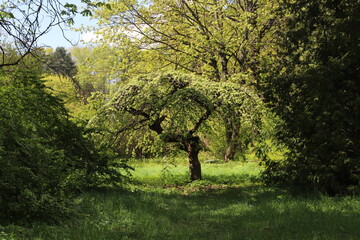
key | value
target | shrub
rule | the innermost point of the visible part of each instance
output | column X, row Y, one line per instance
column 45, row 158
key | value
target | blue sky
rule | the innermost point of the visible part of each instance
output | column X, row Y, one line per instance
column 54, row 38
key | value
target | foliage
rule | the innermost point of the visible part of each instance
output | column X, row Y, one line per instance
column 63, row 88
column 314, row 87
column 60, row 62
column 95, row 70
column 80, row 111
column 108, row 63
column 77, row 82
column 219, row 40
column 216, row 39
column 45, row 158
column 175, row 106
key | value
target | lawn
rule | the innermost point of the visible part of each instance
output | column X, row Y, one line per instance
column 230, row 203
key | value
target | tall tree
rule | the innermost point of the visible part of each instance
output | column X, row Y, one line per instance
column 60, row 62
column 314, row 87
column 212, row 38
column 219, row 40
column 99, row 68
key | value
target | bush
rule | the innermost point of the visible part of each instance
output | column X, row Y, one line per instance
column 315, row 90
column 45, row 158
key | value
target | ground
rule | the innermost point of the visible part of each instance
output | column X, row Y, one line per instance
column 230, row 203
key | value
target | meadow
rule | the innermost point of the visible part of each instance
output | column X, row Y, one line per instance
column 229, row 203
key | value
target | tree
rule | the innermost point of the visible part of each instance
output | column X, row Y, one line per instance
column 314, row 86
column 22, row 23
column 61, row 63
column 99, row 68
column 175, row 106
column 220, row 40
column 212, row 38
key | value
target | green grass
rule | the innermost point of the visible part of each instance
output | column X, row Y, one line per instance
column 158, row 173
column 230, row 203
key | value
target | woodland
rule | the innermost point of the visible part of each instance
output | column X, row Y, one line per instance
column 182, row 119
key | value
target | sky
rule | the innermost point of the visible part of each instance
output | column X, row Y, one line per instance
column 55, row 37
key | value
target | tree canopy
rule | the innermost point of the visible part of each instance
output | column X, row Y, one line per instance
column 313, row 85
column 176, row 107
column 216, row 39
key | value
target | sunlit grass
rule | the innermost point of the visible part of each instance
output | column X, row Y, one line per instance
column 176, row 177
column 229, row 203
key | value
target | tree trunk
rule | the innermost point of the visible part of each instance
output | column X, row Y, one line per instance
column 193, row 148
column 195, row 166
column 230, row 152
column 233, row 146
column 224, row 65
column 232, row 126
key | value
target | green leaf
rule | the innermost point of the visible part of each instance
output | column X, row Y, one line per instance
column 72, row 7
column 9, row 15
column 86, row 13
column 108, row 6
column 70, row 21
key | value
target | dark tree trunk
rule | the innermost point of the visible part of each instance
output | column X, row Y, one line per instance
column 193, row 148
column 190, row 144
column 232, row 138
column 230, row 151
column 195, row 166
column 224, row 65
column 214, row 64
column 233, row 146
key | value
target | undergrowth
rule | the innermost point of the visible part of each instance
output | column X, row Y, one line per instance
column 229, row 203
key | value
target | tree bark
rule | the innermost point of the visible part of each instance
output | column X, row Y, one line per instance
column 193, row 148
column 195, row 166
column 229, row 153
column 232, row 126
column 224, row 65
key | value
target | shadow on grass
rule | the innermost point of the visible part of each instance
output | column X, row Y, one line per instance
column 208, row 179
column 232, row 179
column 242, row 212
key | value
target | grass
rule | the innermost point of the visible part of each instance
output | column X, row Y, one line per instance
column 230, row 203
